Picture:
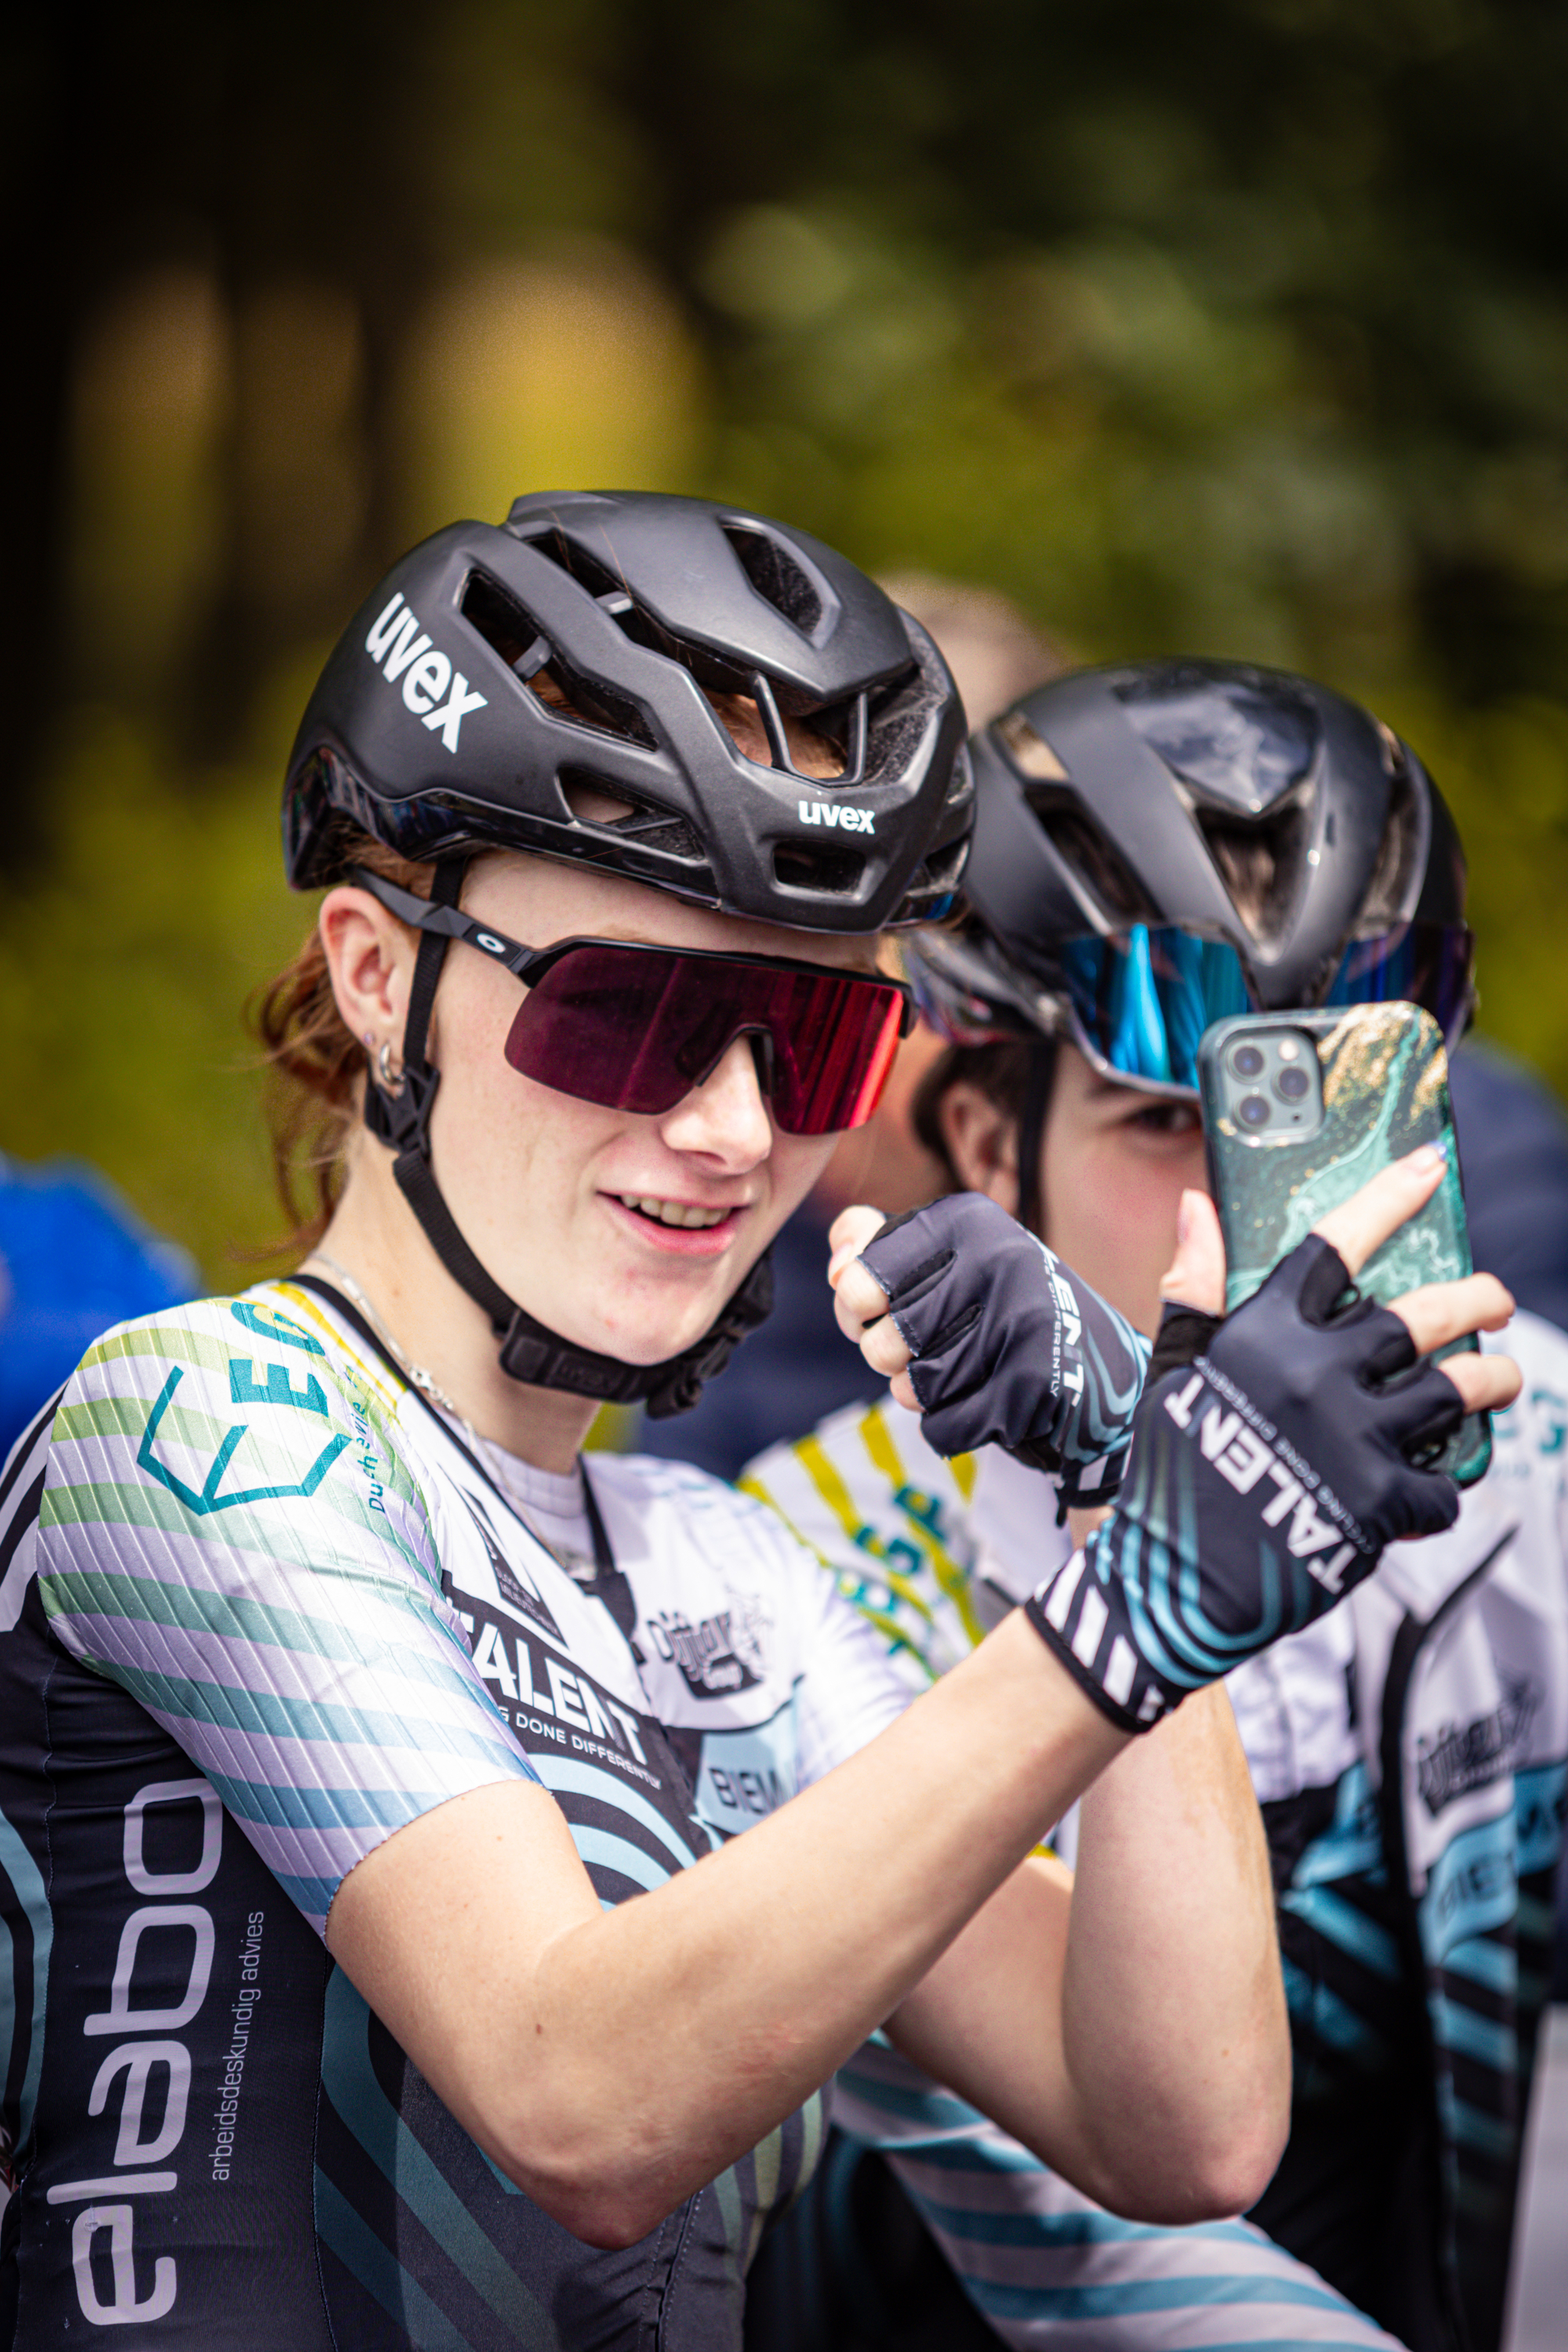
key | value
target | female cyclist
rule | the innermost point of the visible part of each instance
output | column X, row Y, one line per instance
column 344, row 1716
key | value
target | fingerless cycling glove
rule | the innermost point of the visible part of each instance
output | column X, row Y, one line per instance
column 1265, row 1479
column 1010, row 1347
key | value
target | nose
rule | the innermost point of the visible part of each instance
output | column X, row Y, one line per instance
column 725, row 1120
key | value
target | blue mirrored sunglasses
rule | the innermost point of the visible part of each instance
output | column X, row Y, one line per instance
column 1139, row 1001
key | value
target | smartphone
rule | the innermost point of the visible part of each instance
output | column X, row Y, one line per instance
column 1300, row 1110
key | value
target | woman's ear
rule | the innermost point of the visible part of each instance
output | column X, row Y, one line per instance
column 982, row 1143
column 369, row 956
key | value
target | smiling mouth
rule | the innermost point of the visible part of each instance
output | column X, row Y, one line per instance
column 678, row 1214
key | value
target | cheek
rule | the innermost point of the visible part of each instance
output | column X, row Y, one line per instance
column 793, row 1165
column 502, row 1143
column 1112, row 1214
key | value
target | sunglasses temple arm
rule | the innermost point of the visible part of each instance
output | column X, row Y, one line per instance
column 451, row 922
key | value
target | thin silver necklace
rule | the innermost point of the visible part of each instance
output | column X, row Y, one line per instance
column 421, row 1378
column 576, row 1565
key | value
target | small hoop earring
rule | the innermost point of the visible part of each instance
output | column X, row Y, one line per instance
column 390, row 1081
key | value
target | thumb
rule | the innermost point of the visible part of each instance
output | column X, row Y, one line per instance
column 1196, row 1273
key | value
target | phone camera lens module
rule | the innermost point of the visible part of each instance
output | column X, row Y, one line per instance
column 1247, row 1062
column 1291, row 1084
column 1252, row 1110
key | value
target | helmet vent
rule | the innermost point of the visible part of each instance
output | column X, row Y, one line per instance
column 508, row 630
column 1091, row 855
column 776, row 576
column 832, row 873
column 1391, row 891
column 944, row 866
column 1031, row 755
column 1262, row 864
column 585, row 569
column 642, row 822
column 503, row 625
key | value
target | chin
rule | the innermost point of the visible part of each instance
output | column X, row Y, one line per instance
column 646, row 1332
column 639, row 1342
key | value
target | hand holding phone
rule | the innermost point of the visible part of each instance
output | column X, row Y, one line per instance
column 1299, row 1111
column 1285, row 1446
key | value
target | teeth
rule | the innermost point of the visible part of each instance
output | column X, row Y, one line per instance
column 674, row 1212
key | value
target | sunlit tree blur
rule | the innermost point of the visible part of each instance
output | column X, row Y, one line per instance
column 1237, row 330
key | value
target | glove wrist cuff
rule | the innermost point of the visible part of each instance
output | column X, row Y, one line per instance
column 1184, row 1334
column 1079, row 1618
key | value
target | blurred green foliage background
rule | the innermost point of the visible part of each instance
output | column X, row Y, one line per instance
column 1238, row 329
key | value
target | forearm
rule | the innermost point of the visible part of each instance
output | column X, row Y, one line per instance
column 1157, row 2077
column 1173, row 2010
column 617, row 2065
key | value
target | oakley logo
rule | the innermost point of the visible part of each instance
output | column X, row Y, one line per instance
column 1243, row 1458
column 847, row 820
column 400, row 649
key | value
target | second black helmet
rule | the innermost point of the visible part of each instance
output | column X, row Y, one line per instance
column 1161, row 842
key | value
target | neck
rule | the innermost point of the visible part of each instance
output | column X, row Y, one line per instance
column 433, row 1326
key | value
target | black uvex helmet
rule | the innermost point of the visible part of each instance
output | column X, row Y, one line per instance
column 426, row 733
column 1161, row 842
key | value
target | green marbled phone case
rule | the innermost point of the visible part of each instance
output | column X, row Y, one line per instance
column 1385, row 1091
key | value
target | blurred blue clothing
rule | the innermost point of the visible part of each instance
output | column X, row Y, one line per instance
column 74, row 1260
column 1513, row 1156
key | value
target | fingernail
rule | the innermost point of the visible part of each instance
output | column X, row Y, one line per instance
column 1183, row 1222
column 1429, row 1155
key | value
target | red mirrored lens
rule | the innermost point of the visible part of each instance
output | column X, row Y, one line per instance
column 636, row 1028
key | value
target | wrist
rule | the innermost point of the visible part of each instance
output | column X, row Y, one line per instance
column 1082, row 1616
column 1029, row 1705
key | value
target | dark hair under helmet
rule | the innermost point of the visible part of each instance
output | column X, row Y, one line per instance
column 425, row 733
column 423, row 729
column 1117, row 807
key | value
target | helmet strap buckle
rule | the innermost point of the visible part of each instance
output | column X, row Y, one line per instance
column 399, row 1116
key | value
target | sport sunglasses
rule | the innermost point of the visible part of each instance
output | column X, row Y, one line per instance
column 1137, row 1002
column 635, row 1028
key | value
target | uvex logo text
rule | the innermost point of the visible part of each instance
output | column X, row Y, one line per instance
column 1242, row 1458
column 847, row 820
column 400, row 649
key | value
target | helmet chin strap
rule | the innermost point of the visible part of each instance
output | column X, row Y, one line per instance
column 529, row 1350
column 1032, row 1132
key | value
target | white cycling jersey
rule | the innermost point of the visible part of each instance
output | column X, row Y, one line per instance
column 260, row 1605
column 1409, row 1753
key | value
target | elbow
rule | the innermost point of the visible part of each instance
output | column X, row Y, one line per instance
column 1239, row 2152
column 1206, row 2177
column 601, row 2216
column 1227, row 2180
column 603, row 2194
column 1224, row 2130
